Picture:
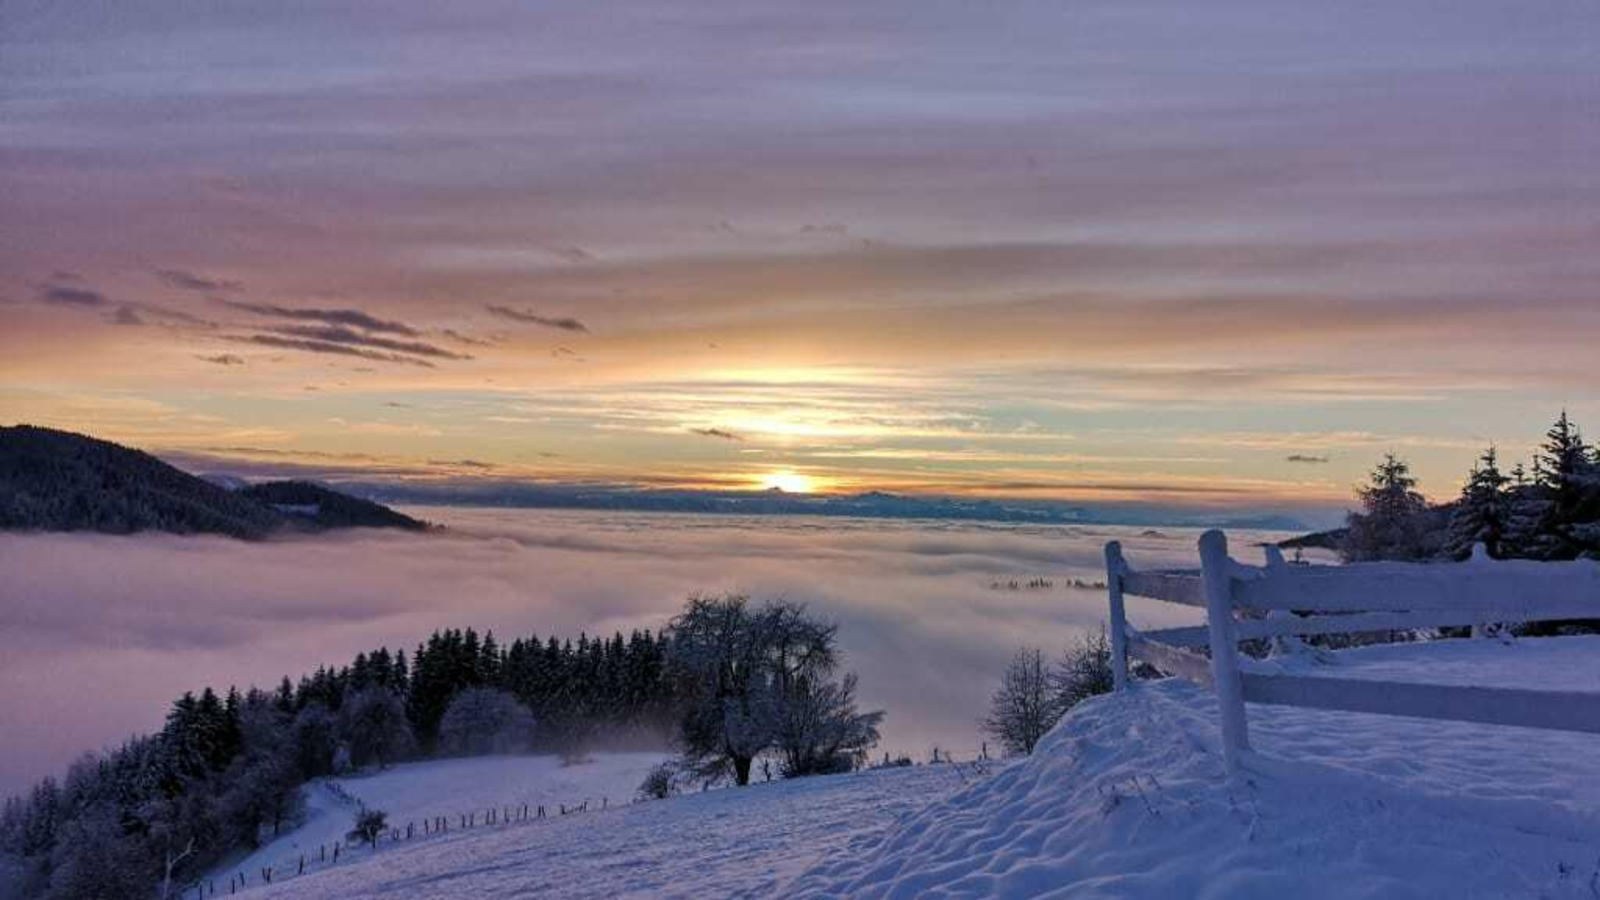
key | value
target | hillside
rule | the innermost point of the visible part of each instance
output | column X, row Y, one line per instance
column 1126, row 798
column 732, row 842
column 60, row 481
column 326, row 508
column 418, row 791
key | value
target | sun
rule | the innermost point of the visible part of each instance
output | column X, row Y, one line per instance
column 788, row 482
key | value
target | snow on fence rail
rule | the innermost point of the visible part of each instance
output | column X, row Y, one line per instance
column 1284, row 601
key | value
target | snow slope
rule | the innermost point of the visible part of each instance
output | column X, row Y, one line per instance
column 1127, row 798
column 414, row 792
column 737, row 842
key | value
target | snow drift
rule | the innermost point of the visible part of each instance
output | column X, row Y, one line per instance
column 1127, row 798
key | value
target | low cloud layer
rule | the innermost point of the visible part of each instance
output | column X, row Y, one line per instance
column 102, row 632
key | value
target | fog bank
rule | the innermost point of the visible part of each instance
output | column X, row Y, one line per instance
column 102, row 632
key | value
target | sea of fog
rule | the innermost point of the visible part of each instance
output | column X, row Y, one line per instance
column 99, row 633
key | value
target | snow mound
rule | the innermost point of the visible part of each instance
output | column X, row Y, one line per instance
column 1127, row 798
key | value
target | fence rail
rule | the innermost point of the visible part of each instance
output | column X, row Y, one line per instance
column 1280, row 601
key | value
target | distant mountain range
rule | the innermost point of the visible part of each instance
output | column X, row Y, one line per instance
column 872, row 505
column 60, row 481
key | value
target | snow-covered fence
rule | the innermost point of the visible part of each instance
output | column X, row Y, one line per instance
column 1280, row 601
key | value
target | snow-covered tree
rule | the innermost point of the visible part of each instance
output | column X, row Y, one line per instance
column 485, row 720
column 819, row 730
column 373, row 725
column 1569, row 473
column 1024, row 709
column 718, row 656
column 262, row 786
column 751, row 679
column 1393, row 521
column 1483, row 513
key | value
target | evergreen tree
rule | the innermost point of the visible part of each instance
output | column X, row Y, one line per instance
column 1483, row 513
column 1570, row 478
column 1393, row 523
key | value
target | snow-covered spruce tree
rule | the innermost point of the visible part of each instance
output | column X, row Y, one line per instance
column 485, row 720
column 1024, row 709
column 1570, row 476
column 373, row 725
column 1527, row 516
column 1393, row 521
column 1483, row 513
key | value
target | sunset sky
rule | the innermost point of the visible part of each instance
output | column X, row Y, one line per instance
column 1212, row 254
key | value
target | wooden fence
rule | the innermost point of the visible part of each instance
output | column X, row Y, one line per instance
column 1281, row 601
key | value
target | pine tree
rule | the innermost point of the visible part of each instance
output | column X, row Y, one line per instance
column 1483, row 513
column 1393, row 522
column 1553, row 516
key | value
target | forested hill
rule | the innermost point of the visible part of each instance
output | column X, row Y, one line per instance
column 327, row 508
column 60, row 481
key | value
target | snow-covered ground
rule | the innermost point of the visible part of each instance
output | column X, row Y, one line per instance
column 1126, row 798
column 744, row 842
column 415, row 792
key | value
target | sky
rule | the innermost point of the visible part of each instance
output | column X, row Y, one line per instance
column 93, row 652
column 1094, row 251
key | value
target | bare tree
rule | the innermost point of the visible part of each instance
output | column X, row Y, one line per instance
column 369, row 826
column 1083, row 671
column 173, row 858
column 1024, row 709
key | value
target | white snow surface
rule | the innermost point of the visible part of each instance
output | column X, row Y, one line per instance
column 1125, row 798
column 731, row 842
column 414, row 792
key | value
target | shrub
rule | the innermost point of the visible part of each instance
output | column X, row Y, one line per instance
column 370, row 824
column 660, row 783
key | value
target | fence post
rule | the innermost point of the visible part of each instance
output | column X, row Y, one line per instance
column 1480, row 556
column 1216, row 573
column 1119, row 617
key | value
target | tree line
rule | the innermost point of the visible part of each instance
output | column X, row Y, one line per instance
column 1546, row 510
column 727, row 682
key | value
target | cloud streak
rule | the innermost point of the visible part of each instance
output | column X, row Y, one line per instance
column 189, row 281
column 560, row 323
column 335, row 334
column 64, row 295
column 350, row 317
column 315, row 346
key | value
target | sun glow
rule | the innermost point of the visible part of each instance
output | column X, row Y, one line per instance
column 788, row 482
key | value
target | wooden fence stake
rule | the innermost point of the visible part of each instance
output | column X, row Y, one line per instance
column 1216, row 573
column 1119, row 617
